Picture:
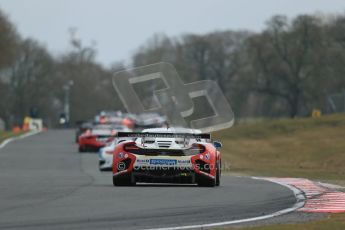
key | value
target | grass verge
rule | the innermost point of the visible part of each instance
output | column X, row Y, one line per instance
column 5, row 135
column 311, row 148
column 332, row 222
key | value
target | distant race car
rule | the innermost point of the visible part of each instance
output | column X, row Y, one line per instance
column 98, row 136
column 105, row 155
column 82, row 126
column 115, row 117
column 170, row 155
column 148, row 120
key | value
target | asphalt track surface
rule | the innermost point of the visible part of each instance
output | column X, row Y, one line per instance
column 47, row 184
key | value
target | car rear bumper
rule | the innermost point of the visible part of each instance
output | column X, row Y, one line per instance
column 169, row 176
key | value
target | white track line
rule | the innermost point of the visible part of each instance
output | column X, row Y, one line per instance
column 300, row 200
column 5, row 142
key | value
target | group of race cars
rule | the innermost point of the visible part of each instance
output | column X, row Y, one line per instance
column 145, row 149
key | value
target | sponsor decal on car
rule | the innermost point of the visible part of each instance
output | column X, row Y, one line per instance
column 143, row 161
column 163, row 162
column 207, row 156
column 183, row 161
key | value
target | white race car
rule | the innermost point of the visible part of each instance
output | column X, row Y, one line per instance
column 105, row 154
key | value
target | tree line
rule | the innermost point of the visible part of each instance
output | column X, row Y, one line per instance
column 32, row 79
column 286, row 70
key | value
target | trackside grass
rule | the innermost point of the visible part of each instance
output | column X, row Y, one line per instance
column 5, row 135
column 311, row 148
column 332, row 222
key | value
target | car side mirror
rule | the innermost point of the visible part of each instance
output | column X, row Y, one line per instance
column 217, row 144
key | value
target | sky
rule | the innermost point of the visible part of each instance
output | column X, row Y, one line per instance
column 119, row 27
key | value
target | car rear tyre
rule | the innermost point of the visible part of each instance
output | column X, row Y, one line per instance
column 82, row 149
column 206, row 182
column 123, row 181
column 218, row 173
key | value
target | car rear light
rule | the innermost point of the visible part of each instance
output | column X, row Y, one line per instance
column 130, row 147
column 110, row 140
column 88, row 132
column 109, row 152
column 197, row 148
column 103, row 120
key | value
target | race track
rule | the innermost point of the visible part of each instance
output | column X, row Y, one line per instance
column 46, row 183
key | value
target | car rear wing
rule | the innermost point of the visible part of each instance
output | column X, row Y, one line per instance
column 206, row 136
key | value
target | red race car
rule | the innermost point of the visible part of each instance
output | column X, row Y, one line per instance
column 97, row 137
column 167, row 155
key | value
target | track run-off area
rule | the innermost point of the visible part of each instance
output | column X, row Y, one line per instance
column 46, row 183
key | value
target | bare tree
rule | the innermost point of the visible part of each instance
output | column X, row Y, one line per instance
column 159, row 48
column 286, row 59
column 92, row 90
column 8, row 41
column 31, row 80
